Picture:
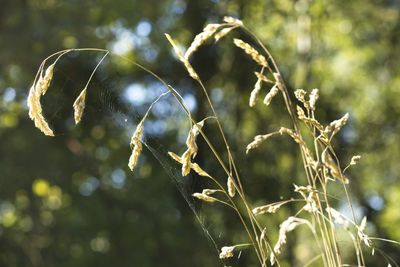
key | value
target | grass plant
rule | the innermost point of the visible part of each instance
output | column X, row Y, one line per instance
column 314, row 139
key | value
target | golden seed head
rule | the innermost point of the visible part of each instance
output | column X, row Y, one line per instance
column 136, row 144
column 311, row 200
column 336, row 125
column 338, row 217
column 212, row 27
column 192, row 148
column 135, row 139
column 291, row 133
column 79, row 106
column 186, row 164
column 300, row 113
column 251, row 51
column 303, row 190
column 310, row 121
column 360, row 231
column 355, row 159
column 200, row 38
column 223, row 33
column 191, row 139
column 45, row 82
column 287, row 226
column 254, row 93
column 258, row 140
column 35, row 111
column 273, row 92
column 233, row 21
column 300, row 95
column 333, row 167
column 177, row 51
column 175, row 157
column 226, row 252
column 191, row 71
column 231, row 187
column 184, row 60
column 204, row 197
column 363, row 224
column 32, row 102
column 133, row 159
column 270, row 208
column 209, row 191
column 195, row 167
column 313, row 98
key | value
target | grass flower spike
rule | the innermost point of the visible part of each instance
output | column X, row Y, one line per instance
column 79, row 106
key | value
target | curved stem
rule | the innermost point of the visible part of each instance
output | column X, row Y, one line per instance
column 98, row 64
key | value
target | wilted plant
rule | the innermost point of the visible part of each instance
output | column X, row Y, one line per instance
column 320, row 162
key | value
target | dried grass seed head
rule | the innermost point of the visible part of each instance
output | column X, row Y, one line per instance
column 312, row 203
column 191, row 138
column 258, row 140
column 204, row 197
column 188, row 166
column 310, row 196
column 226, row 252
column 300, row 113
column 270, row 208
column 136, row 144
column 191, row 150
column 335, row 126
column 313, row 98
column 287, row 226
column 333, row 167
column 307, row 152
column 135, row 139
column 200, row 38
column 133, row 159
column 233, row 21
column 209, row 191
column 79, row 106
column 314, row 123
column 35, row 111
column 230, row 24
column 271, row 94
column 361, row 234
column 175, row 157
column 186, row 162
column 46, row 80
column 254, row 93
column 291, row 133
column 197, row 169
column 186, row 63
column 177, row 51
column 363, row 224
column 303, row 190
column 300, row 95
column 338, row 217
column 231, row 187
column 251, row 51
column 222, row 33
column 355, row 159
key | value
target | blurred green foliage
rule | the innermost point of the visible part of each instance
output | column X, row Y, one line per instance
column 71, row 200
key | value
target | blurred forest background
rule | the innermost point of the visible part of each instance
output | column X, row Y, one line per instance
column 70, row 200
